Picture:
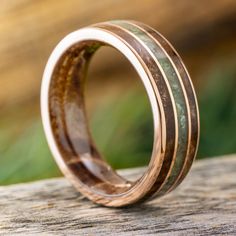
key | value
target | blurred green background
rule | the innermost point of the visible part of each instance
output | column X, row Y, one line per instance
column 118, row 108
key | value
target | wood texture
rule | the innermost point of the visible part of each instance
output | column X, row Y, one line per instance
column 204, row 204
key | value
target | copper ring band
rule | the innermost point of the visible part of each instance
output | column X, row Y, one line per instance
column 172, row 98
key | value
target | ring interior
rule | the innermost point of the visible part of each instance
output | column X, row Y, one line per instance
column 70, row 124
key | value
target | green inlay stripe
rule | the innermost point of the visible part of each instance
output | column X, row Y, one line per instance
column 178, row 95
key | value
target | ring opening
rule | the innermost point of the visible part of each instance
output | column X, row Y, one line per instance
column 70, row 124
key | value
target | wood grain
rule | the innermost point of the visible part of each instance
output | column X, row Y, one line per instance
column 204, row 204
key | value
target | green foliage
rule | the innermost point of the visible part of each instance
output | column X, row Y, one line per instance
column 217, row 104
column 123, row 130
column 27, row 157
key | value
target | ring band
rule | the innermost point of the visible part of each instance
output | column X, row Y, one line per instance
column 173, row 102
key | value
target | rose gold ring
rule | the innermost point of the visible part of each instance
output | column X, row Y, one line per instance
column 172, row 98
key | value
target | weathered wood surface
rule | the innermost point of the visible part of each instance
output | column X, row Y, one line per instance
column 204, row 204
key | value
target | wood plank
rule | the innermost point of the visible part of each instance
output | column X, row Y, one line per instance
column 204, row 204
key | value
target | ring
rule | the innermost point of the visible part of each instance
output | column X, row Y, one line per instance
column 171, row 95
